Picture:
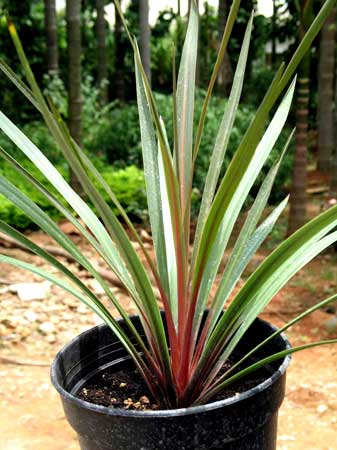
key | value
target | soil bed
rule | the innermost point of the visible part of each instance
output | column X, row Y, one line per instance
column 126, row 389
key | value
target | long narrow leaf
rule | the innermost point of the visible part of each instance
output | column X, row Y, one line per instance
column 246, row 244
column 74, row 200
column 223, row 135
column 185, row 104
column 151, row 171
column 281, row 330
column 169, row 242
column 267, row 280
column 231, row 195
column 261, row 363
column 234, row 269
column 223, row 46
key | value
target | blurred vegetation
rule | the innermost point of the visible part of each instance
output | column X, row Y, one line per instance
column 111, row 133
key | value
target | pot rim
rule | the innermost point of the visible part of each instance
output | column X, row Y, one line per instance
column 167, row 412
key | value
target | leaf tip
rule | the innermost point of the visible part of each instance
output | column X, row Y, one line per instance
column 11, row 26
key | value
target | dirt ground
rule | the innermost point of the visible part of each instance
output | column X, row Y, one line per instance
column 32, row 331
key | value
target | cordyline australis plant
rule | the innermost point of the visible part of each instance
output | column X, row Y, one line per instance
column 180, row 361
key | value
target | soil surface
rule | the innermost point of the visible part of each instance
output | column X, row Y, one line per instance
column 123, row 389
column 126, row 389
column 32, row 330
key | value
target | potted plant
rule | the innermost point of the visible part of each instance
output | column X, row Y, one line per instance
column 208, row 378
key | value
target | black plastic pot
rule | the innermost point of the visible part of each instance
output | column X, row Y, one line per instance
column 247, row 421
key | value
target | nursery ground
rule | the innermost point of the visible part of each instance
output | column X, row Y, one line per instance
column 33, row 329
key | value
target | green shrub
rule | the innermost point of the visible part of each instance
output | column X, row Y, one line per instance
column 127, row 184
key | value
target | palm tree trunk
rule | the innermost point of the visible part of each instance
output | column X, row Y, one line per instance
column 273, row 39
column 225, row 76
column 73, row 18
column 333, row 182
column 51, row 35
column 298, row 198
column 325, row 92
column 119, row 84
column 102, row 72
column 145, row 37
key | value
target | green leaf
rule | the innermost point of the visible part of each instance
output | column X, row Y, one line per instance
column 221, row 53
column 223, row 136
column 267, row 280
column 173, row 195
column 248, row 241
column 57, row 204
column 74, row 200
column 169, row 241
column 185, row 105
column 233, row 190
column 151, row 171
column 18, row 83
column 292, row 322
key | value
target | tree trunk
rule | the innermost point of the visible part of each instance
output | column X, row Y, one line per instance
column 225, row 76
column 73, row 18
column 145, row 37
column 333, row 183
column 51, row 35
column 298, row 198
column 102, row 72
column 119, row 59
column 273, row 40
column 326, row 70
column 179, row 8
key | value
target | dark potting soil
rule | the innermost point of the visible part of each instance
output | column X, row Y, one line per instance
column 126, row 389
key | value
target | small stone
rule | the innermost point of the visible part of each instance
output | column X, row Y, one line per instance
column 331, row 325
column 47, row 327
column 30, row 291
column 51, row 339
column 145, row 236
column 144, row 400
column 24, row 332
column 68, row 228
column 321, row 409
column 128, row 403
column 96, row 287
column 136, row 245
column 115, row 290
column 31, row 316
column 286, row 438
column 82, row 309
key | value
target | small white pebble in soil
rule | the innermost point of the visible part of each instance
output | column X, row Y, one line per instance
column 31, row 316
column 321, row 409
column 286, row 438
column 47, row 327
